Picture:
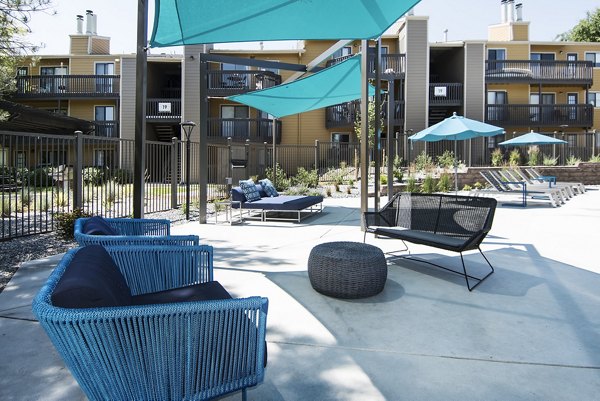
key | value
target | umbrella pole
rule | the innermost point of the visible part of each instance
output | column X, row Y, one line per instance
column 274, row 154
column 455, row 167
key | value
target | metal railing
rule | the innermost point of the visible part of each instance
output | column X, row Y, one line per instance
column 242, row 129
column 446, row 94
column 539, row 71
column 232, row 82
column 345, row 114
column 540, row 115
column 160, row 109
column 392, row 64
column 107, row 129
column 67, row 86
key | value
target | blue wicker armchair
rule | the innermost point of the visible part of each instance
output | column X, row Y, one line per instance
column 189, row 347
column 123, row 231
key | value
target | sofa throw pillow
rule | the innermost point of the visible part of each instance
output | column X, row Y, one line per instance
column 248, row 187
column 268, row 187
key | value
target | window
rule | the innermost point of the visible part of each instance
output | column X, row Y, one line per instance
column 20, row 159
column 594, row 57
column 571, row 140
column 52, row 82
column 594, row 99
column 543, row 56
column 3, row 157
column 22, row 71
column 54, row 157
column 496, row 59
column 495, row 110
column 572, row 99
column 344, row 51
column 102, row 158
column 236, row 81
column 340, row 137
column 104, row 119
column 234, row 121
column 104, row 84
column 546, row 99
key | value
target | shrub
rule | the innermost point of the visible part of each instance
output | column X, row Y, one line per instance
column 429, row 185
column 549, row 161
column 279, row 179
column 478, row 185
column 514, row 159
column 467, row 187
column 411, row 185
column 533, row 153
column 398, row 174
column 595, row 159
column 423, row 162
column 572, row 160
column 398, row 162
column 444, row 183
column 497, row 157
column 446, row 160
column 122, row 176
column 93, row 175
column 39, row 178
column 65, row 223
column 6, row 207
column 25, row 199
column 328, row 192
column 306, row 178
column 109, row 193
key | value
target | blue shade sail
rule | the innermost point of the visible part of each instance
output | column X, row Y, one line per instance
column 456, row 128
column 334, row 85
column 187, row 22
column 532, row 138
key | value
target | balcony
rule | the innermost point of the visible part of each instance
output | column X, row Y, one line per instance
column 343, row 115
column 393, row 66
column 544, row 115
column 223, row 83
column 67, row 86
column 242, row 129
column 445, row 94
column 539, row 72
column 106, row 129
column 166, row 110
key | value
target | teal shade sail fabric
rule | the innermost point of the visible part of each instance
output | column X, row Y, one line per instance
column 334, row 85
column 532, row 138
column 187, row 22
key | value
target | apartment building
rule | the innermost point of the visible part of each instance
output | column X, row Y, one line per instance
column 508, row 80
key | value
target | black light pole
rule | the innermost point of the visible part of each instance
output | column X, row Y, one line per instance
column 187, row 128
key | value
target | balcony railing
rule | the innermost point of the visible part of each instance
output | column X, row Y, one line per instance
column 392, row 65
column 163, row 109
column 226, row 83
column 106, row 129
column 67, row 86
column 544, row 115
column 539, row 71
column 343, row 115
column 241, row 129
column 441, row 94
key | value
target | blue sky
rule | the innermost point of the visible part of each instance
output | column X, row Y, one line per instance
column 464, row 19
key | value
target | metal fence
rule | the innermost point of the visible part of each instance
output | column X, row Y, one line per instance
column 44, row 175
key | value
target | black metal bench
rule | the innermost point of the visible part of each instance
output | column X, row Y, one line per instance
column 451, row 222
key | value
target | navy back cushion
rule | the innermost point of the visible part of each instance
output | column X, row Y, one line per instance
column 98, row 226
column 91, row 280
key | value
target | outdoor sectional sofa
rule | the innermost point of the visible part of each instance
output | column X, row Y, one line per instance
column 281, row 207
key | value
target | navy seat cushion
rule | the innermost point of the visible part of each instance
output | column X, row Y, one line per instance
column 91, row 280
column 98, row 226
column 198, row 292
column 285, row 202
column 456, row 244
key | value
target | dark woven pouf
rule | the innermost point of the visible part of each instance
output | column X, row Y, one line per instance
column 347, row 269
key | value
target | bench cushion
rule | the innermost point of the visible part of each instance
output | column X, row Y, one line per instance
column 91, row 280
column 198, row 292
column 284, row 203
column 456, row 244
column 98, row 226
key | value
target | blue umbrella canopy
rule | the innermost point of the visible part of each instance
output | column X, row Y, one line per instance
column 185, row 22
column 532, row 138
column 456, row 128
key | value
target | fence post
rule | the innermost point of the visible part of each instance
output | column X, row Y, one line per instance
column 317, row 155
column 174, row 171
column 229, row 178
column 78, row 171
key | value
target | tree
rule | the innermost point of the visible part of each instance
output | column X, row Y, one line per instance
column 587, row 30
column 14, row 27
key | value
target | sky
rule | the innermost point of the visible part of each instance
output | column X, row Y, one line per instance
column 464, row 20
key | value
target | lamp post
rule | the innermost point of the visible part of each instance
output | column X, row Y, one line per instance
column 187, row 128
column 562, row 136
column 408, row 145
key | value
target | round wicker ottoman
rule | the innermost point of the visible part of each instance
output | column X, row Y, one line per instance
column 347, row 269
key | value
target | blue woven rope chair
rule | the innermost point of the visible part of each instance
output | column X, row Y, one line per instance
column 122, row 231
column 197, row 349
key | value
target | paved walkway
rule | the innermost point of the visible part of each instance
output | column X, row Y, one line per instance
column 530, row 332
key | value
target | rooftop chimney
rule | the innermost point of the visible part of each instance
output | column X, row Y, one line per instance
column 90, row 28
column 511, row 10
column 503, row 8
column 519, row 11
column 80, row 24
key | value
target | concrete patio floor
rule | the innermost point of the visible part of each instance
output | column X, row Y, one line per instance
column 529, row 332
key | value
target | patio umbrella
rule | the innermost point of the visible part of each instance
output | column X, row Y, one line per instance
column 456, row 128
column 532, row 138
